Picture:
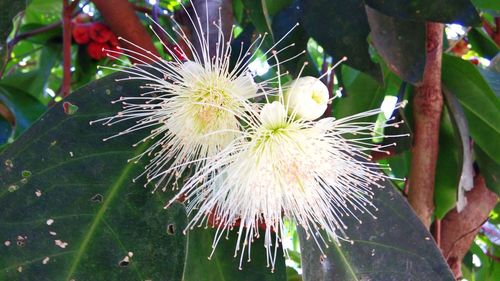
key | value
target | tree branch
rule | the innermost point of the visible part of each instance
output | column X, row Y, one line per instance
column 427, row 107
column 459, row 229
column 121, row 18
column 66, row 20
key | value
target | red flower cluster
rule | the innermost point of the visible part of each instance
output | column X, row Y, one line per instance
column 98, row 38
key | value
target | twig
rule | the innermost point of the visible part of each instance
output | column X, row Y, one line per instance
column 121, row 18
column 427, row 108
column 459, row 229
column 66, row 19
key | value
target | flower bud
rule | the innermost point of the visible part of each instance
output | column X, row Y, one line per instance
column 306, row 97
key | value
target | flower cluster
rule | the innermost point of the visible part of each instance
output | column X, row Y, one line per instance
column 253, row 155
column 97, row 36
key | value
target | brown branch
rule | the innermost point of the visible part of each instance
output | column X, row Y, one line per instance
column 427, row 107
column 66, row 20
column 121, row 18
column 459, row 229
column 436, row 231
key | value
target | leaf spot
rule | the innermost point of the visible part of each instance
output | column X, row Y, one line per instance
column 98, row 198
column 13, row 188
column 61, row 244
column 69, row 108
column 26, row 174
column 124, row 262
column 171, row 229
column 21, row 240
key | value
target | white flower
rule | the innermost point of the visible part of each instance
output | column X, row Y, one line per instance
column 285, row 168
column 193, row 108
column 307, row 98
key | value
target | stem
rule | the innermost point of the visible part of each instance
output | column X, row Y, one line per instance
column 427, row 107
column 66, row 20
column 459, row 229
column 121, row 18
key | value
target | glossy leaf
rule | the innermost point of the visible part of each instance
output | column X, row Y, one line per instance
column 361, row 92
column 448, row 167
column 489, row 169
column 9, row 10
column 259, row 15
column 284, row 21
column 394, row 247
column 401, row 43
column 342, row 29
column 482, row 43
column 68, row 207
column 23, row 106
column 481, row 106
column 487, row 4
column 223, row 265
column 459, row 11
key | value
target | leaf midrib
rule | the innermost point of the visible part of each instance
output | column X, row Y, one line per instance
column 100, row 214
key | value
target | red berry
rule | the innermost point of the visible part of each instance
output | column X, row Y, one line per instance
column 116, row 52
column 100, row 32
column 474, row 61
column 81, row 33
column 96, row 51
column 113, row 40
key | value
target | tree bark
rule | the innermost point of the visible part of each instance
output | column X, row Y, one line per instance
column 459, row 229
column 427, row 107
column 121, row 18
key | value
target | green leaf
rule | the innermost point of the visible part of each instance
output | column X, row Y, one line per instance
column 223, row 266
column 459, row 11
column 62, row 184
column 258, row 13
column 35, row 81
column 489, row 169
column 361, row 92
column 5, row 131
column 284, row 21
column 379, row 251
column 493, row 79
column 23, row 106
column 448, row 167
column 342, row 29
column 43, row 11
column 401, row 43
column 9, row 10
column 481, row 106
column 482, row 43
column 487, row 4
